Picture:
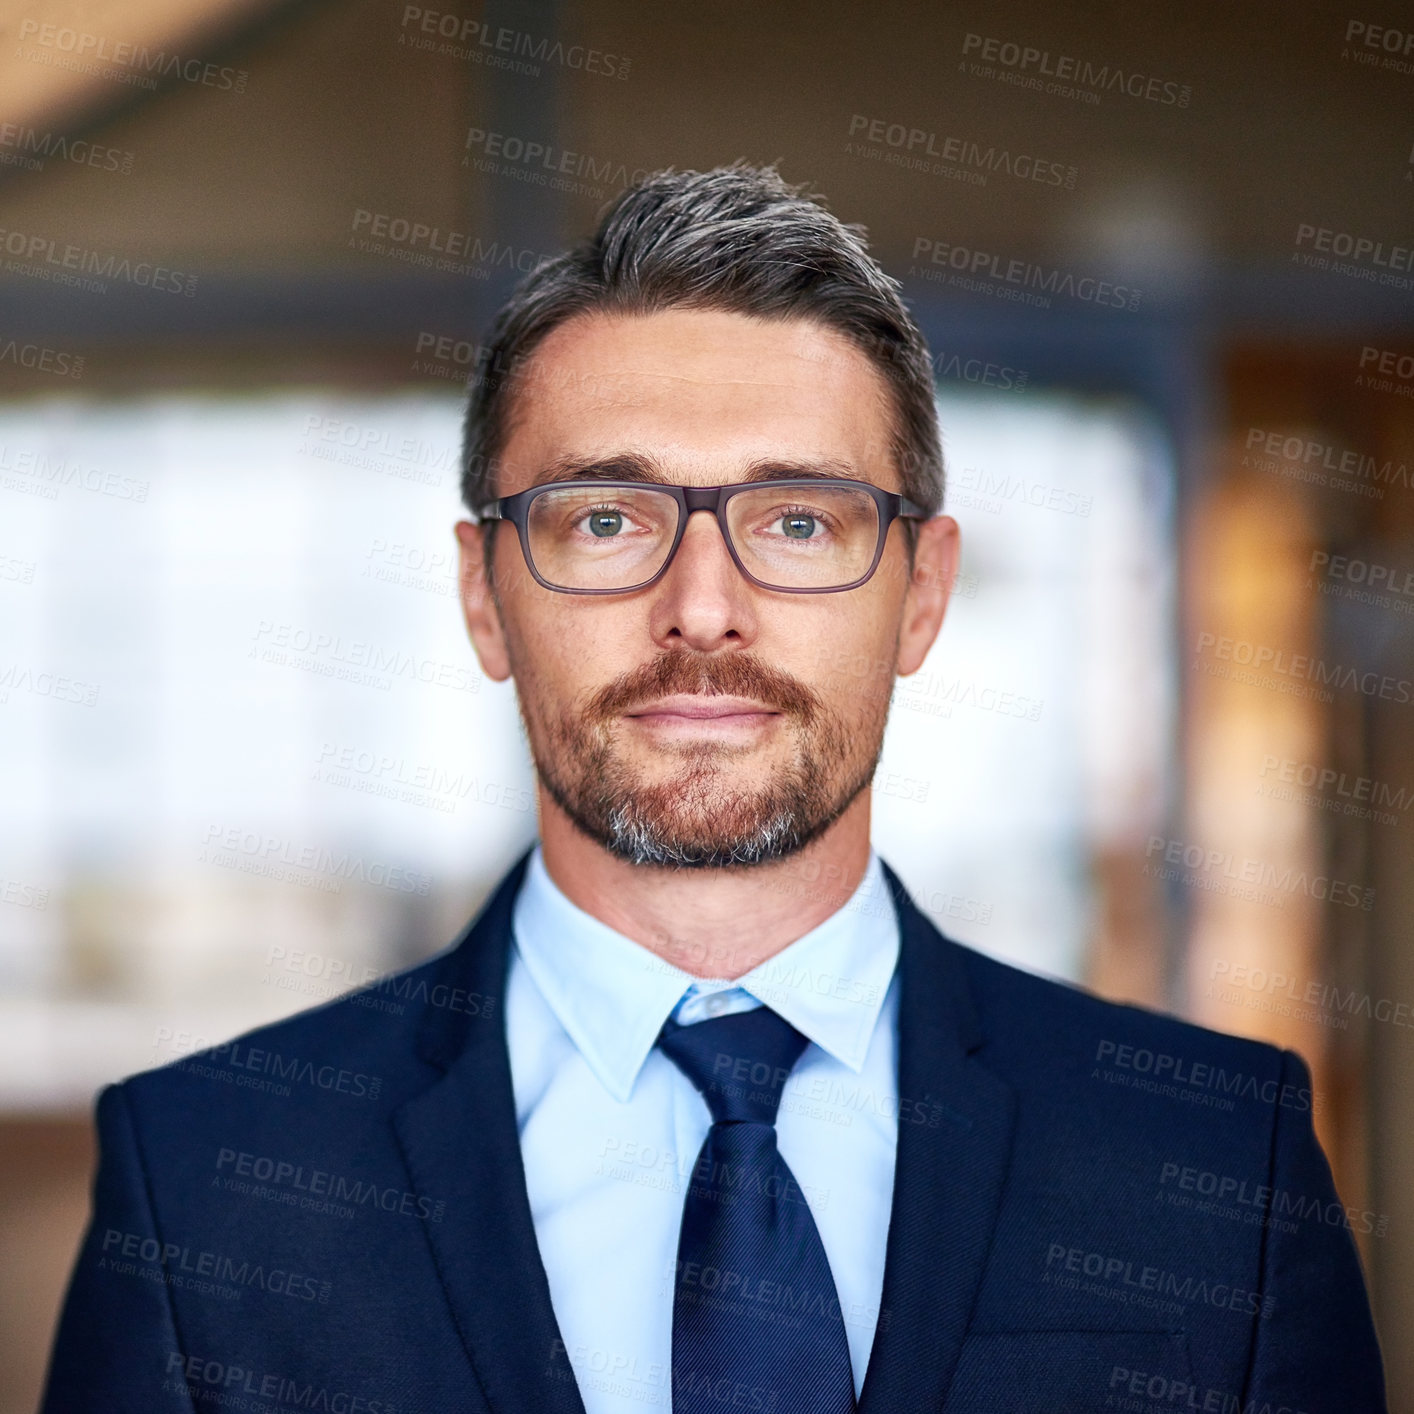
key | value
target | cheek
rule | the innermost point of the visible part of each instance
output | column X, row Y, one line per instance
column 564, row 653
column 850, row 661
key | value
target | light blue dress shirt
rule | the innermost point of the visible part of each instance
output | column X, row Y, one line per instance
column 610, row 1128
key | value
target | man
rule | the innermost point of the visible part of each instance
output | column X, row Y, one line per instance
column 701, row 1112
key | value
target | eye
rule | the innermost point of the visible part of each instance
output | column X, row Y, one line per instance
column 607, row 521
column 604, row 521
column 800, row 523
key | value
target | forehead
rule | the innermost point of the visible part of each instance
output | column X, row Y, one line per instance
column 703, row 393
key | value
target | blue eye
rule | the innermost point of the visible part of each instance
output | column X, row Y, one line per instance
column 798, row 527
column 606, row 523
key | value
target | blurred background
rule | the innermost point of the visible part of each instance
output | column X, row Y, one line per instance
column 1164, row 747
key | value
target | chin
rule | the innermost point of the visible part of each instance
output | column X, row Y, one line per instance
column 651, row 846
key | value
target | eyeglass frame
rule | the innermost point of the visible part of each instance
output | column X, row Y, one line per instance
column 891, row 506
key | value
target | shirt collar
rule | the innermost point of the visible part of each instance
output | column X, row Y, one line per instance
column 612, row 995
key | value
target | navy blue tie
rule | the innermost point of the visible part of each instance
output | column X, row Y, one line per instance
column 756, row 1320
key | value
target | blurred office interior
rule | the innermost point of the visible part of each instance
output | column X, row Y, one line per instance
column 1163, row 746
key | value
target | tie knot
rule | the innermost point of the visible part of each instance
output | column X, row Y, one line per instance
column 739, row 1063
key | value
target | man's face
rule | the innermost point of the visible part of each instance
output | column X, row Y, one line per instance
column 613, row 688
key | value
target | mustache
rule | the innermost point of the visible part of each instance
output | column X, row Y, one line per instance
column 735, row 675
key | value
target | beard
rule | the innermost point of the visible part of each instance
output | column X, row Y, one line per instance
column 704, row 815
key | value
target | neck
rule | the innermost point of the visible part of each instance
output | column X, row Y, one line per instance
column 709, row 922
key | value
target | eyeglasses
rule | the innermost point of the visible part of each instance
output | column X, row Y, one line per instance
column 798, row 535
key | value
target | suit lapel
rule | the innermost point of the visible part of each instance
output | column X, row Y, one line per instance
column 948, row 1180
column 459, row 1138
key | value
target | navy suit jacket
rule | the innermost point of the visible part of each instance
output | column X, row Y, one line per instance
column 1096, row 1207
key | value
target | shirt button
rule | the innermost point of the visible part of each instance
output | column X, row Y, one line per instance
column 716, row 1004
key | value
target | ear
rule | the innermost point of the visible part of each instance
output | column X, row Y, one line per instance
column 483, row 615
column 935, row 564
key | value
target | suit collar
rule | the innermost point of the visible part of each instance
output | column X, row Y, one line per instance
column 611, row 995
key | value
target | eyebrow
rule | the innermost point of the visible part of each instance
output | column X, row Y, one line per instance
column 634, row 466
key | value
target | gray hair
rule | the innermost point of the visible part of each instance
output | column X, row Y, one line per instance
column 737, row 239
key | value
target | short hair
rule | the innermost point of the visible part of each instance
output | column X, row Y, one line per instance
column 737, row 239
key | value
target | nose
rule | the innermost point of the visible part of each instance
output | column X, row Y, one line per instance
column 703, row 599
